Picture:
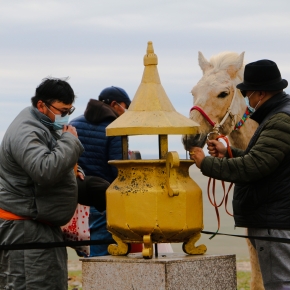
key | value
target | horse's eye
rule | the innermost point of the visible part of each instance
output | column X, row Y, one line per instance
column 222, row 95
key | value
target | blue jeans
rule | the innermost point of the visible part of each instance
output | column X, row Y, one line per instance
column 98, row 231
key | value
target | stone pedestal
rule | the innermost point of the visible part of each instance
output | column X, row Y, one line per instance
column 168, row 271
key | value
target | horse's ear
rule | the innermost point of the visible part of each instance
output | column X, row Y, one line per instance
column 235, row 67
column 203, row 63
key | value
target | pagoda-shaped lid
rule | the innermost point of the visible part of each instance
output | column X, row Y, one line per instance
column 151, row 112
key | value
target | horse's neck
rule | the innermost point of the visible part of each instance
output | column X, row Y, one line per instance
column 240, row 138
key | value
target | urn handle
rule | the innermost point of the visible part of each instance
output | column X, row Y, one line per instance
column 172, row 162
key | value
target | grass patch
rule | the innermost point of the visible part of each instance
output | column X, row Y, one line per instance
column 75, row 280
column 243, row 280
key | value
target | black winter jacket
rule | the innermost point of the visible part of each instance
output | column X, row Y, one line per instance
column 261, row 173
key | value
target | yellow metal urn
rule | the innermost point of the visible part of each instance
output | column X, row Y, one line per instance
column 153, row 201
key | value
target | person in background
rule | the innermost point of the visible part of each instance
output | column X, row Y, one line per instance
column 261, row 173
column 99, row 149
column 38, row 188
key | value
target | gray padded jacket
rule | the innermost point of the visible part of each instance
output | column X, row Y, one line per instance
column 36, row 170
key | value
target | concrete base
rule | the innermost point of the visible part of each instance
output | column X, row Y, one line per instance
column 168, row 271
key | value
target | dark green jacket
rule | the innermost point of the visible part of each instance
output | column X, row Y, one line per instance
column 261, row 173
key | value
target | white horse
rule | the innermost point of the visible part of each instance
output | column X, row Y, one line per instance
column 220, row 107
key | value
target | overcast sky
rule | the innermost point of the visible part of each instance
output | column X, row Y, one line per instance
column 102, row 43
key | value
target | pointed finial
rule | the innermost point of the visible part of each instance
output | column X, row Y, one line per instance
column 151, row 112
column 150, row 48
column 150, row 58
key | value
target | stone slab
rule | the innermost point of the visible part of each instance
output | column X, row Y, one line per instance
column 169, row 271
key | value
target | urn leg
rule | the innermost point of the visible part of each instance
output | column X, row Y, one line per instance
column 147, row 251
column 121, row 249
column 190, row 248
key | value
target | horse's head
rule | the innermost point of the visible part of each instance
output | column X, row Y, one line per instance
column 215, row 93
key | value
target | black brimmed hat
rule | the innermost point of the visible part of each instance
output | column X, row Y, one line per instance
column 263, row 75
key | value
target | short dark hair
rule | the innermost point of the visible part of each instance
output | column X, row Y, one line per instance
column 53, row 89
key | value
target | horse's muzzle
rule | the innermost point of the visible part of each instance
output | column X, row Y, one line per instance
column 197, row 140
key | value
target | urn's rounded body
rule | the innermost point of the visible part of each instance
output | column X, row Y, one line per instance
column 139, row 203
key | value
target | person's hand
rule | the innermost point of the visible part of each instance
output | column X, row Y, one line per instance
column 70, row 129
column 216, row 148
column 80, row 176
column 196, row 154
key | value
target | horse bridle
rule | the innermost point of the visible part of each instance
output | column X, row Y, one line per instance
column 216, row 126
column 215, row 134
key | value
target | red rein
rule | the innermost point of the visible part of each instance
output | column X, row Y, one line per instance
column 212, row 198
column 226, row 192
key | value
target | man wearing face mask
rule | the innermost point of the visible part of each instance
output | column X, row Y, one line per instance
column 261, row 173
column 38, row 189
column 99, row 149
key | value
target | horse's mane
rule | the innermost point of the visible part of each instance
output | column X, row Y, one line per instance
column 225, row 59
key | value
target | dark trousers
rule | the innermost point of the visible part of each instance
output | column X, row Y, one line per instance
column 274, row 258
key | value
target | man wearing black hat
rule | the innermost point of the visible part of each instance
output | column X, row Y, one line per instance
column 99, row 149
column 261, row 173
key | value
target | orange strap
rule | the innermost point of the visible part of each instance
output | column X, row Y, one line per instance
column 76, row 169
column 6, row 215
column 225, row 194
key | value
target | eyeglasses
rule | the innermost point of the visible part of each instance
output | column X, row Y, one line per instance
column 63, row 113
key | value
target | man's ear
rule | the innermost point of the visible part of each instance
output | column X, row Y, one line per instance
column 262, row 94
column 40, row 106
column 113, row 103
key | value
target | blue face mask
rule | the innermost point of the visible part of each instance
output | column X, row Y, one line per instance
column 59, row 121
column 251, row 109
column 247, row 100
column 124, row 109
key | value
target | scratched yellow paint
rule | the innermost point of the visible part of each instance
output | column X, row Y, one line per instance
column 139, row 202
